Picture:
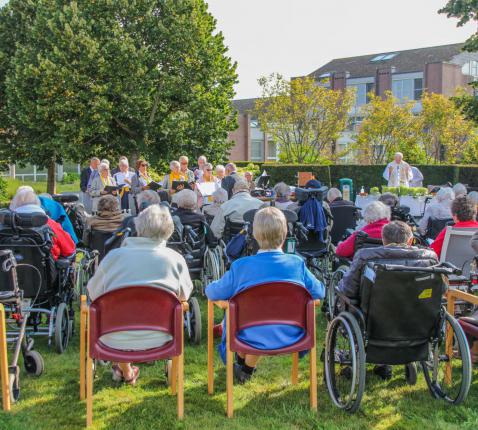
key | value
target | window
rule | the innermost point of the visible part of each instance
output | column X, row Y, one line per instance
column 271, row 150
column 383, row 57
column 418, row 89
column 370, row 89
column 404, row 88
column 257, row 150
column 470, row 68
column 362, row 93
column 254, row 123
column 377, row 58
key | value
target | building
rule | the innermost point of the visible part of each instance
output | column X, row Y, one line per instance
column 438, row 69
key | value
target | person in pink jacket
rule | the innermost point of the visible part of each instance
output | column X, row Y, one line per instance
column 376, row 215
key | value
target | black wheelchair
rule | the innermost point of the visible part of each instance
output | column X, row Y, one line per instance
column 436, row 225
column 16, row 316
column 75, row 211
column 345, row 218
column 399, row 319
column 48, row 284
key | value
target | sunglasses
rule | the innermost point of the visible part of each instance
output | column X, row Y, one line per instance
column 144, row 165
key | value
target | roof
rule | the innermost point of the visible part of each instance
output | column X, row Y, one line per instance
column 411, row 60
column 244, row 106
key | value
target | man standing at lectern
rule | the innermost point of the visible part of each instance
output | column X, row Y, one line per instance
column 398, row 172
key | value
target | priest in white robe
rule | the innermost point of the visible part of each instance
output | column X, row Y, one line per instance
column 398, row 172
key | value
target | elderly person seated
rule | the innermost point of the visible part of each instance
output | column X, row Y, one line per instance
column 235, row 208
column 376, row 216
column 109, row 217
column 219, row 197
column 282, row 197
column 335, row 199
column 460, row 190
column 439, row 208
column 463, row 212
column 26, row 201
column 389, row 199
column 99, row 183
column 57, row 212
column 270, row 231
column 397, row 249
column 249, row 177
column 142, row 261
column 474, row 197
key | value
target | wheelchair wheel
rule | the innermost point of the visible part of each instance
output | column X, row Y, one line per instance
column 411, row 373
column 334, row 282
column 62, row 328
column 220, row 260
column 448, row 373
column 33, row 362
column 211, row 268
column 345, row 362
column 193, row 321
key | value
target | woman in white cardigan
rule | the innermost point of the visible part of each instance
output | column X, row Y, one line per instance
column 143, row 260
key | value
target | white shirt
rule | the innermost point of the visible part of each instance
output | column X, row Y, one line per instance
column 121, row 176
column 401, row 174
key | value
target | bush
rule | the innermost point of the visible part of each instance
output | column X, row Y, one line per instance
column 70, row 178
column 3, row 190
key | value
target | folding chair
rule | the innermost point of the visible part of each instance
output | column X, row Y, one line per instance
column 126, row 309
column 265, row 304
column 458, row 251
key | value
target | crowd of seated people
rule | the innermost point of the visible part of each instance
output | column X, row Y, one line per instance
column 335, row 198
column 439, row 208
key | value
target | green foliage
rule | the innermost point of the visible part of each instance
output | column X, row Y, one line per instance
column 255, row 169
column 70, row 178
column 465, row 11
column 81, row 78
column 374, row 190
column 3, row 189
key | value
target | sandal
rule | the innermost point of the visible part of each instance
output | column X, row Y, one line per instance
column 134, row 378
column 116, row 373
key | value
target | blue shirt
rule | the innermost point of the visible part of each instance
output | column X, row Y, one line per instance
column 265, row 267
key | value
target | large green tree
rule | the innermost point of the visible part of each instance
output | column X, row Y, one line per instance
column 148, row 77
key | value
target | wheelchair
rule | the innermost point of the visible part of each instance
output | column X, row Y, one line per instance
column 48, row 284
column 75, row 211
column 399, row 319
column 16, row 316
column 345, row 218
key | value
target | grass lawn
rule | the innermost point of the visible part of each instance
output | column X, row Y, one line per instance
column 39, row 187
column 267, row 402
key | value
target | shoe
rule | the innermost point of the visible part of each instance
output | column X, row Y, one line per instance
column 240, row 376
column 384, row 371
column 217, row 331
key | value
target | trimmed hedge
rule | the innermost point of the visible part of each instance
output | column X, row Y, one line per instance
column 369, row 176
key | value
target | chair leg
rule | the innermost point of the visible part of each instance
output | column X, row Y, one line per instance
column 89, row 381
column 229, row 370
column 295, row 368
column 83, row 316
column 4, row 362
column 313, row 378
column 210, row 347
column 174, row 376
column 180, row 377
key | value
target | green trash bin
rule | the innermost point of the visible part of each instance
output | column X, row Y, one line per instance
column 346, row 186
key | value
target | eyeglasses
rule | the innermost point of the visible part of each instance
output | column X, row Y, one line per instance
column 184, row 162
column 144, row 165
column 208, row 170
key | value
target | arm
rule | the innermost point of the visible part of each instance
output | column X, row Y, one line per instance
column 437, row 245
column 224, row 288
column 313, row 285
column 423, row 224
column 84, row 180
column 346, row 248
column 350, row 283
column 96, row 285
column 96, row 187
column 136, row 187
column 185, row 283
column 218, row 223
column 166, row 184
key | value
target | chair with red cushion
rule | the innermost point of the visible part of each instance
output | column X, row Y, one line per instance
column 126, row 309
column 265, row 304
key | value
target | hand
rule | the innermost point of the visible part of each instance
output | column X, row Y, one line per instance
column 127, row 181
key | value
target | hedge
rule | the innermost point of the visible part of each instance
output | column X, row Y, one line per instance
column 369, row 176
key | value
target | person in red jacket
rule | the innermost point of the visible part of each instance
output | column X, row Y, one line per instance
column 463, row 212
column 26, row 201
column 376, row 215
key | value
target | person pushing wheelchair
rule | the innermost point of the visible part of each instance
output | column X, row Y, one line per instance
column 397, row 249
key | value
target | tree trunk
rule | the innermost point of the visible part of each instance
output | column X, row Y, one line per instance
column 51, row 180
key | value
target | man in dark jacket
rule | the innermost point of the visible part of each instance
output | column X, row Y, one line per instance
column 86, row 173
column 231, row 177
column 334, row 197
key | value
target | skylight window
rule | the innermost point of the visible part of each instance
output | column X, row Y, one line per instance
column 377, row 58
column 390, row 56
column 383, row 57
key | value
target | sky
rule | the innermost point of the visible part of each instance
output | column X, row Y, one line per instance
column 295, row 37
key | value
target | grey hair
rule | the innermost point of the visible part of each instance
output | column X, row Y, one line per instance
column 398, row 154
column 202, row 158
column 460, row 190
column 376, row 211
column 231, row 166
column 108, row 203
column 95, row 159
column 220, row 195
column 123, row 162
column 220, row 167
column 103, row 166
column 333, row 193
column 389, row 199
column 396, row 232
column 155, row 223
column 473, row 196
column 282, row 189
column 208, row 166
column 186, row 199
column 148, row 196
column 239, row 186
column 445, row 193
column 24, row 196
column 174, row 163
column 105, row 161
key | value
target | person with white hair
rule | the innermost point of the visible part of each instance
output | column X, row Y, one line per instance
column 235, row 208
column 439, row 208
column 123, row 178
column 26, row 201
column 142, row 261
column 282, row 197
column 206, row 186
column 175, row 176
column 198, row 172
column 269, row 265
column 85, row 181
column 376, row 215
column 398, row 172
column 219, row 197
column 220, row 173
column 335, row 199
column 460, row 190
column 99, row 183
column 184, row 169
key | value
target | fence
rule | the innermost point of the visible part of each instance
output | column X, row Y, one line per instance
column 38, row 176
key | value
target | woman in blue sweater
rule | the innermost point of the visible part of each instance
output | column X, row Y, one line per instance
column 269, row 265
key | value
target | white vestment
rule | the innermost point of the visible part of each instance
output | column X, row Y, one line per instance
column 401, row 174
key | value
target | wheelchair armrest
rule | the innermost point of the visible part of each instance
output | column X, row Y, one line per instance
column 63, row 263
column 185, row 306
column 316, row 303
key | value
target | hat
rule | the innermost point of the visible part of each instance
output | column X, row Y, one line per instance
column 313, row 184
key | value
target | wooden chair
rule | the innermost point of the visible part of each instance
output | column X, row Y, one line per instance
column 125, row 309
column 263, row 304
column 4, row 376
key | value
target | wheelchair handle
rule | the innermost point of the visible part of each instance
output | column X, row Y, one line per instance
column 442, row 268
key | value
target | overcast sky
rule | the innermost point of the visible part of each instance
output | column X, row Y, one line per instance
column 295, row 37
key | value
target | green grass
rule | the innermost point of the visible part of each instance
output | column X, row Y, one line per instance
column 267, row 402
column 39, row 187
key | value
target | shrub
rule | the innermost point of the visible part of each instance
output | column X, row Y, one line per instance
column 70, row 178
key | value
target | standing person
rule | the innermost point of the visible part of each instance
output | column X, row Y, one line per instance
column 207, row 178
column 417, row 177
column 123, row 177
column 139, row 182
column 185, row 171
column 231, row 177
column 398, row 172
column 220, row 173
column 250, row 181
column 85, row 179
column 202, row 160
column 98, row 184
column 174, row 176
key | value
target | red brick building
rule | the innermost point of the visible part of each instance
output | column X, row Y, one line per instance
column 438, row 69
